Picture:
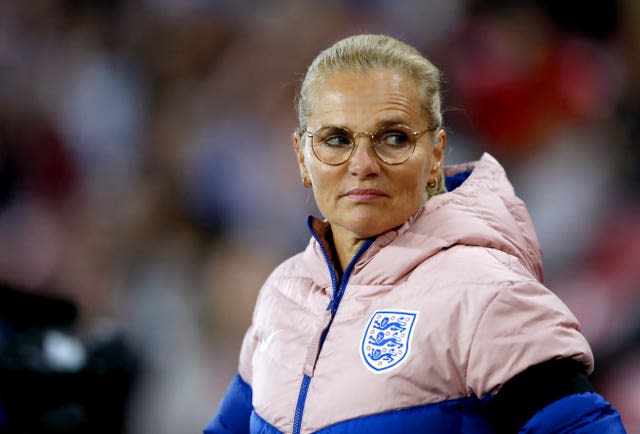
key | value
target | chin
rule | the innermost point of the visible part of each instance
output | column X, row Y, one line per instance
column 367, row 231
column 366, row 223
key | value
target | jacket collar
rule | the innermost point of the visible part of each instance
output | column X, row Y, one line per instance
column 483, row 211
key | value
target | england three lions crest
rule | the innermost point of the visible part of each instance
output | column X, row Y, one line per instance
column 386, row 341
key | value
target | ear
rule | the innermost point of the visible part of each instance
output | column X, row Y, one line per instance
column 298, row 147
column 438, row 153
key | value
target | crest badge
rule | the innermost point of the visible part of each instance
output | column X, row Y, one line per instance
column 386, row 341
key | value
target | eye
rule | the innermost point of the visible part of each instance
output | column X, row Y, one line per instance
column 394, row 138
column 335, row 138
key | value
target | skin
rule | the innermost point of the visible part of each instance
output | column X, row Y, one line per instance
column 362, row 102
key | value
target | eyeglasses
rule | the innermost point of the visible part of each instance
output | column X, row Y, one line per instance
column 392, row 144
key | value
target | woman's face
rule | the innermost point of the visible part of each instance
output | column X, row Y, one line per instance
column 365, row 196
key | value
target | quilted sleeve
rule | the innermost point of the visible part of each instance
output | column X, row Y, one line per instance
column 235, row 410
column 524, row 324
column 554, row 396
column 581, row 413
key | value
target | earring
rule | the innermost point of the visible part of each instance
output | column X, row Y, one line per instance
column 436, row 186
column 307, row 182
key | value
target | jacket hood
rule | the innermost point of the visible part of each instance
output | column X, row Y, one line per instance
column 483, row 211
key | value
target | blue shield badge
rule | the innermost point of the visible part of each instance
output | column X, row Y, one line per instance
column 386, row 341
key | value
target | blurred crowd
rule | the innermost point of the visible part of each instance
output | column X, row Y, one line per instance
column 148, row 184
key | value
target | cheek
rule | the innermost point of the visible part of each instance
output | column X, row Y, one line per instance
column 416, row 193
column 323, row 183
column 425, row 170
column 414, row 184
column 419, row 177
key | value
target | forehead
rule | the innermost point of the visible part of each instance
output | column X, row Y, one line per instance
column 366, row 99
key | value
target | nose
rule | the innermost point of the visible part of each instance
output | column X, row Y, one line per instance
column 364, row 162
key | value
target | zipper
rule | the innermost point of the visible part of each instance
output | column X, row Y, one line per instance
column 302, row 397
column 338, row 292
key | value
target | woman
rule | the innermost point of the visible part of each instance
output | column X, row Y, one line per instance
column 412, row 309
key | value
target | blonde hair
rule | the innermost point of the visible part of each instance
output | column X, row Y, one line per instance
column 364, row 53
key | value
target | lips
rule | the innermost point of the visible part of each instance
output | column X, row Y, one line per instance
column 365, row 194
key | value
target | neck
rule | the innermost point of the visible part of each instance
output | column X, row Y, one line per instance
column 346, row 245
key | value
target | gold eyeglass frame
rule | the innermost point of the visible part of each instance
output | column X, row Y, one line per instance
column 416, row 137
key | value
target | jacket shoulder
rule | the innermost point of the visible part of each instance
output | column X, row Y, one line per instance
column 510, row 319
column 290, row 279
column 476, row 268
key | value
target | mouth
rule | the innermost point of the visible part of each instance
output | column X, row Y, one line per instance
column 365, row 194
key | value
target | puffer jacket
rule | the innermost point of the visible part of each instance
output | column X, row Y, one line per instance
column 421, row 332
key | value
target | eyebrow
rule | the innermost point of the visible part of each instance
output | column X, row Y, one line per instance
column 391, row 122
column 382, row 124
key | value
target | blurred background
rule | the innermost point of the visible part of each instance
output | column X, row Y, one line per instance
column 148, row 186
